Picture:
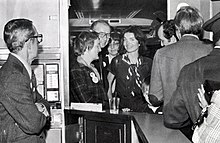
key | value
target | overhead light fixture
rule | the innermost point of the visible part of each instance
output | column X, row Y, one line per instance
column 96, row 4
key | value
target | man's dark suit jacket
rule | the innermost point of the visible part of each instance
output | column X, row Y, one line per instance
column 20, row 120
column 184, row 104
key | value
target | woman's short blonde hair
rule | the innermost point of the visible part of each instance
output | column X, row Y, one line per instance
column 84, row 41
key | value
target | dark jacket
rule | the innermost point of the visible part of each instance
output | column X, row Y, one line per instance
column 129, row 79
column 184, row 104
column 20, row 120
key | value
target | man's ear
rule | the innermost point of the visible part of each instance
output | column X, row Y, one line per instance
column 28, row 46
column 86, row 51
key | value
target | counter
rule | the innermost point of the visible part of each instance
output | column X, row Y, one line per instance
column 149, row 127
column 152, row 127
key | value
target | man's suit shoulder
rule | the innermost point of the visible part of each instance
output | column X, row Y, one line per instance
column 177, row 47
column 166, row 50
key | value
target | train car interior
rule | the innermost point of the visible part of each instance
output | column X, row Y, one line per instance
column 60, row 22
column 119, row 14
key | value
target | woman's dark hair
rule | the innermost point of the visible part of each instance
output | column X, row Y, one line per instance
column 140, row 36
column 115, row 35
column 84, row 41
column 169, row 29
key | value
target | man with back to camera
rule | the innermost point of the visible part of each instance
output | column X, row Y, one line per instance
column 169, row 60
column 23, row 111
column 103, row 29
column 183, row 107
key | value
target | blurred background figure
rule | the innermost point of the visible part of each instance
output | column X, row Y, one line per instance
column 114, row 44
column 152, row 39
column 145, row 87
column 113, row 50
column 85, row 85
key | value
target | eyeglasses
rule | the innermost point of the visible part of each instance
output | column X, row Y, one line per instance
column 114, row 43
column 38, row 36
column 103, row 34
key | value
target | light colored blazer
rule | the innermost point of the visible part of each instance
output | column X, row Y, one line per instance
column 183, row 107
column 20, row 120
column 168, row 62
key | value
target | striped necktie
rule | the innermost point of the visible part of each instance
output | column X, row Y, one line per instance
column 34, row 84
column 33, row 81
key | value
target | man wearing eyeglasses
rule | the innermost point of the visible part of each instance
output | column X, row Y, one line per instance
column 103, row 29
column 23, row 111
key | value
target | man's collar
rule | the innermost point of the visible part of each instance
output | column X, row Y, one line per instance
column 25, row 63
column 191, row 35
column 218, row 47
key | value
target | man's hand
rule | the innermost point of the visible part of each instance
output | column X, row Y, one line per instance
column 42, row 109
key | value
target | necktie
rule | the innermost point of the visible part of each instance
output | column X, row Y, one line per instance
column 34, row 84
column 33, row 80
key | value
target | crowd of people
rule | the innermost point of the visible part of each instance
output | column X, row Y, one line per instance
column 114, row 63
column 166, row 84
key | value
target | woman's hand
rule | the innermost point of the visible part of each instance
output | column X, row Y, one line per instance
column 42, row 109
column 147, row 98
column 202, row 101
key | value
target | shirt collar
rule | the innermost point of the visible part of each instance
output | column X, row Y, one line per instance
column 26, row 65
column 191, row 35
column 217, row 47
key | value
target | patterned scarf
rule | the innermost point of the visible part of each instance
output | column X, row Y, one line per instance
column 133, row 70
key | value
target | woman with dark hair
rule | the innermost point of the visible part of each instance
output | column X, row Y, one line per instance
column 129, row 70
column 85, row 85
column 112, row 51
